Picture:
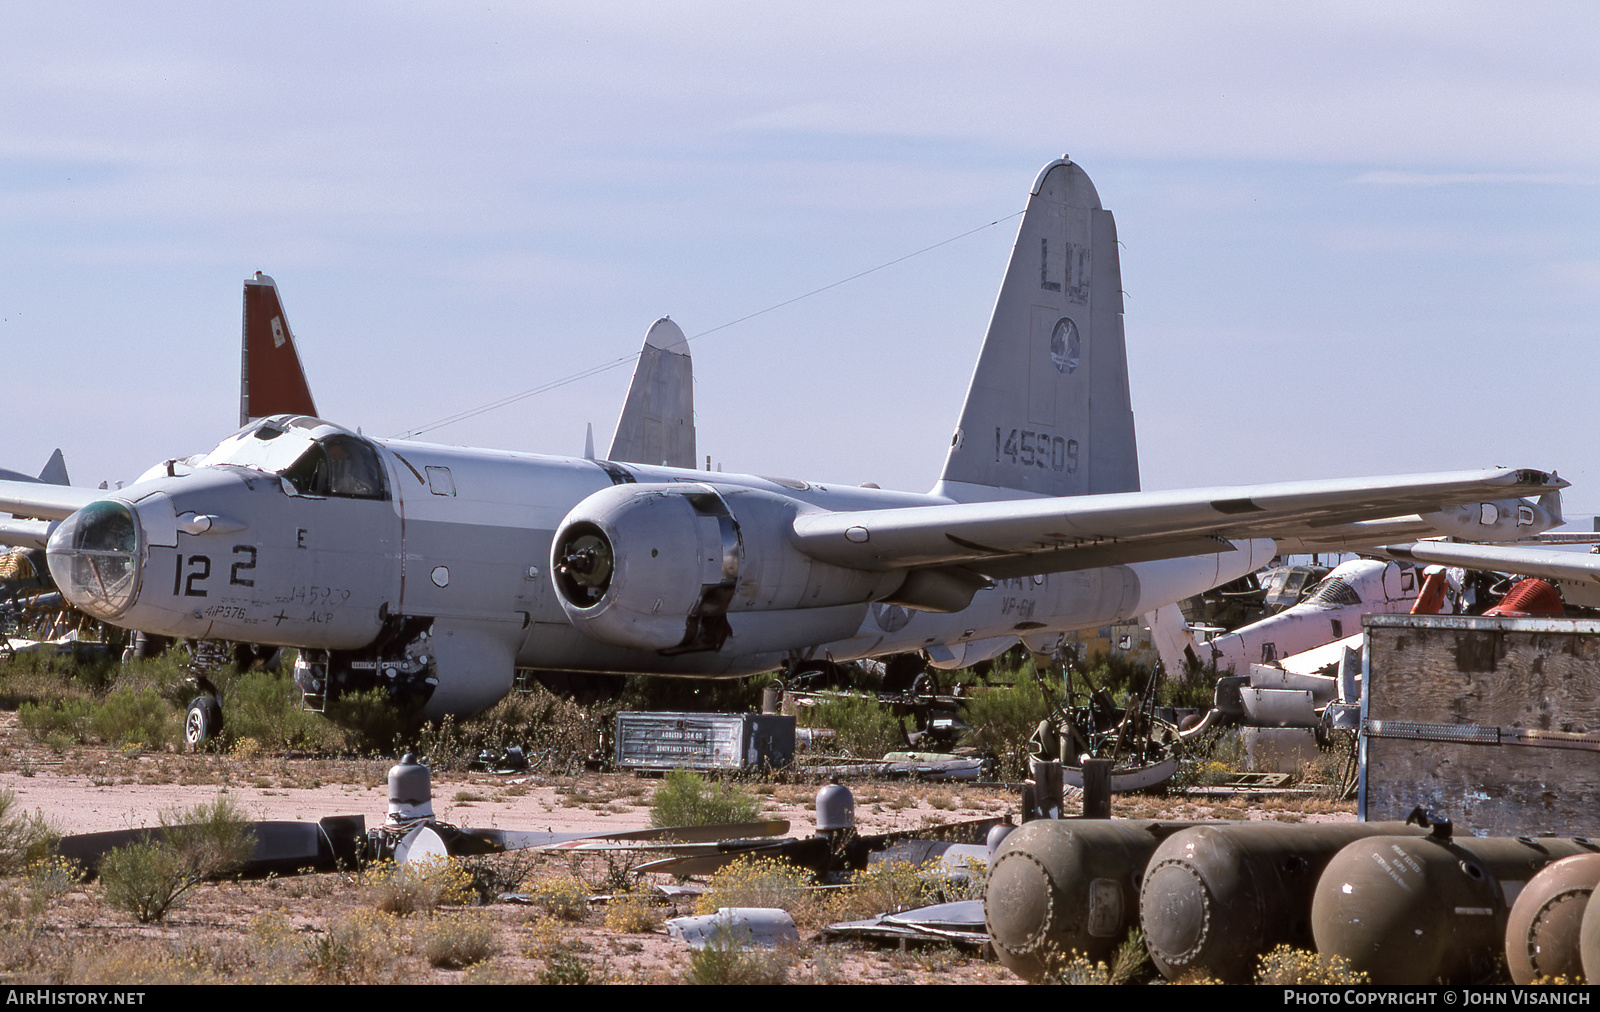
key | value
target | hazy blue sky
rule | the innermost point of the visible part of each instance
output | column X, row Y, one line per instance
column 1360, row 238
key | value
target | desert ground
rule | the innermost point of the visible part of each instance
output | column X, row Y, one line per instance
column 333, row 927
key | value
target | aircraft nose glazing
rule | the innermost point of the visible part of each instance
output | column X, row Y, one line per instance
column 94, row 558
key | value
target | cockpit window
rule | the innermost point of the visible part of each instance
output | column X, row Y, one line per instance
column 338, row 465
column 1332, row 593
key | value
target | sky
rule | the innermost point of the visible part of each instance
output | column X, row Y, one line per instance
column 1359, row 238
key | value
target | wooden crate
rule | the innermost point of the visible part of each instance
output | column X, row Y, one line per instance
column 1493, row 723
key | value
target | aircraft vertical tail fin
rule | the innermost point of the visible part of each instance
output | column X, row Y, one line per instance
column 1048, row 411
column 1174, row 640
column 657, row 421
column 55, row 470
column 271, row 379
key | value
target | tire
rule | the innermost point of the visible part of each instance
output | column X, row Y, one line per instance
column 201, row 722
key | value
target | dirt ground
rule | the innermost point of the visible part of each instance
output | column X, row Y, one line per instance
column 286, row 929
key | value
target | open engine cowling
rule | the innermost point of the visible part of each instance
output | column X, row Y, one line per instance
column 661, row 567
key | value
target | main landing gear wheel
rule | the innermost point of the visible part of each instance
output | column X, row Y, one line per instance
column 202, row 722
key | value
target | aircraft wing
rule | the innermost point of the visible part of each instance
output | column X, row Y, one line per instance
column 24, row 533
column 1018, row 537
column 1546, row 563
column 45, row 502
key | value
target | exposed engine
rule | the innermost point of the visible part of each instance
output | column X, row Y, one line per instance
column 662, row 566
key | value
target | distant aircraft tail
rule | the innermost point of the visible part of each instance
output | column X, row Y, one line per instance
column 54, row 472
column 271, row 379
column 1048, row 410
column 1174, row 641
column 657, row 421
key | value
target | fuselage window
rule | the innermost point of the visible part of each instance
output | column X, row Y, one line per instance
column 341, row 466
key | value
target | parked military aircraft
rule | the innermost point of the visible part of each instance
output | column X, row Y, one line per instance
column 435, row 571
column 1330, row 611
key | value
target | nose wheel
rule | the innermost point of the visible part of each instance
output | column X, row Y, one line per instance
column 201, row 722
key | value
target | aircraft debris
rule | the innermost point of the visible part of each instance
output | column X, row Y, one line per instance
column 837, row 850
column 960, row 923
column 1088, row 724
column 760, row 927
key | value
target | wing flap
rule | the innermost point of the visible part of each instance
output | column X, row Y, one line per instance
column 1131, row 526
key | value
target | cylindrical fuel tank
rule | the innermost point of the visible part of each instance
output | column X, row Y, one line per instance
column 1589, row 940
column 1426, row 910
column 1542, row 928
column 1059, row 886
column 1215, row 898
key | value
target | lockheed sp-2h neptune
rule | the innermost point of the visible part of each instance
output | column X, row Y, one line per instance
column 437, row 571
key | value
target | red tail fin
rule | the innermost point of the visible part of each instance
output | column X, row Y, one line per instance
column 271, row 380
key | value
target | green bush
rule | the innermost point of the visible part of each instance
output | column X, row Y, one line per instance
column 145, row 879
column 862, row 726
column 24, row 839
column 725, row 959
column 537, row 720
column 688, row 799
column 148, row 878
column 131, row 716
column 266, row 706
column 1000, row 720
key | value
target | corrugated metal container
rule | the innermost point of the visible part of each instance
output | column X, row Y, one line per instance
column 703, row 741
column 1491, row 722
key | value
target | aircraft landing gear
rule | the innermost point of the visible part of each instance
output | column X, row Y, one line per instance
column 201, row 722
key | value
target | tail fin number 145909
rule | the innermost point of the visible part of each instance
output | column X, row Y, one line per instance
column 1027, row 448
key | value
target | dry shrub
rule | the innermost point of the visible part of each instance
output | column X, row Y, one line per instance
column 133, row 963
column 565, row 898
column 1130, row 960
column 362, row 948
column 1287, row 966
column 453, row 942
column 894, row 886
column 560, row 956
column 538, row 721
column 274, row 952
column 417, row 887
column 43, row 882
column 24, row 838
column 726, row 959
column 632, row 914
column 760, row 882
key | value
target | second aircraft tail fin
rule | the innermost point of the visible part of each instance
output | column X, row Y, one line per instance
column 1048, row 411
column 657, row 421
column 271, row 379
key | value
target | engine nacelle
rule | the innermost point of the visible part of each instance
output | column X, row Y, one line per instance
column 660, row 567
